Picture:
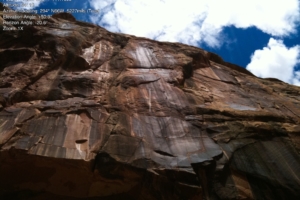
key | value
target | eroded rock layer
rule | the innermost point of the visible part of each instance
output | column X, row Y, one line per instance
column 86, row 113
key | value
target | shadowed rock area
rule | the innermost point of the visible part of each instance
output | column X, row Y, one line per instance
column 86, row 113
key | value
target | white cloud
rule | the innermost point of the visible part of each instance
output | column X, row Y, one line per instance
column 192, row 21
column 277, row 61
column 27, row 6
column 296, row 79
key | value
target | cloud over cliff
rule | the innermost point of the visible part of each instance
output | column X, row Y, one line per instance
column 276, row 60
column 194, row 22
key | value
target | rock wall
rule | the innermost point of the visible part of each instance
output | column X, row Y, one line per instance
column 86, row 113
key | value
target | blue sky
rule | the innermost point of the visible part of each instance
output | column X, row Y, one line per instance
column 260, row 35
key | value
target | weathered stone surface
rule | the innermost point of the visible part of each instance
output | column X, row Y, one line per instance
column 87, row 113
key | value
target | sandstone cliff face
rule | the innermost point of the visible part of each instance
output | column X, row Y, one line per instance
column 87, row 113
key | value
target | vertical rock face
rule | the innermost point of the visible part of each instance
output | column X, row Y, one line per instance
column 86, row 113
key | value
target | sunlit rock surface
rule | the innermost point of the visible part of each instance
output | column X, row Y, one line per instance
column 86, row 113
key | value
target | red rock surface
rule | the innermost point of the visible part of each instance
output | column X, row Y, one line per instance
column 86, row 113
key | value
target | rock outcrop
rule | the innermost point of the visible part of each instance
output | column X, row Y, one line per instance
column 86, row 113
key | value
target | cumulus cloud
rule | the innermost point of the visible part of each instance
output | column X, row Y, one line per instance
column 276, row 60
column 296, row 78
column 193, row 22
column 27, row 6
